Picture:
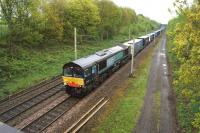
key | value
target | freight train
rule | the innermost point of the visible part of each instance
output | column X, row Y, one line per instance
column 85, row 74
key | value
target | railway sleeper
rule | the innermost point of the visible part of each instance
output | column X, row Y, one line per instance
column 48, row 117
column 36, row 126
column 59, row 110
column 20, row 108
column 30, row 130
column 53, row 115
column 24, row 106
column 42, row 124
column 15, row 112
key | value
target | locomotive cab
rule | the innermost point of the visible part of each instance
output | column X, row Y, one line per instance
column 73, row 77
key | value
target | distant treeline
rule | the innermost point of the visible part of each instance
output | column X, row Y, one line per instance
column 36, row 22
column 184, row 48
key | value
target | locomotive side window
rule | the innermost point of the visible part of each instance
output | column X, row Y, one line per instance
column 94, row 69
column 78, row 73
column 126, row 52
column 102, row 65
column 88, row 72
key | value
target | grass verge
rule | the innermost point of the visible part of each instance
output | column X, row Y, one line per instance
column 156, row 102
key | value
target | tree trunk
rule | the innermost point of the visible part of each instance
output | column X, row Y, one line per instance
column 101, row 36
column 107, row 35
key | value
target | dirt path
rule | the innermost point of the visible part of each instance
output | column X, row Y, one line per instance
column 158, row 112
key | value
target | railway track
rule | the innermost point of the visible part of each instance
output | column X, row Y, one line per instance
column 26, row 91
column 41, row 123
column 20, row 98
column 18, row 109
column 87, row 116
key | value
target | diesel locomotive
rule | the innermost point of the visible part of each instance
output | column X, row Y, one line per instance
column 83, row 75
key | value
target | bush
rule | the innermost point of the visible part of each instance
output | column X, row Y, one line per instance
column 183, row 33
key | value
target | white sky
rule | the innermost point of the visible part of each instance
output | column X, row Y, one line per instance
column 154, row 9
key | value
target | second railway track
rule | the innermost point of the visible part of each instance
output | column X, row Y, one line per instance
column 87, row 116
column 29, row 90
column 18, row 109
column 21, row 97
column 41, row 123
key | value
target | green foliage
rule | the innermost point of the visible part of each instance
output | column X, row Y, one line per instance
column 184, row 33
column 53, row 28
column 196, row 122
column 35, row 22
column 142, row 25
column 83, row 15
column 22, row 27
column 145, row 24
column 128, row 16
column 110, row 15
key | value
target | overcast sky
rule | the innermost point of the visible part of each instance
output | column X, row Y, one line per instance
column 154, row 9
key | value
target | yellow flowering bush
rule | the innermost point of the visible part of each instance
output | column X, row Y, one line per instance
column 184, row 40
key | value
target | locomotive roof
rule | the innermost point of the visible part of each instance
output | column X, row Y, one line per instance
column 128, row 42
column 157, row 31
column 137, row 40
column 131, row 42
column 98, row 56
column 144, row 37
column 152, row 33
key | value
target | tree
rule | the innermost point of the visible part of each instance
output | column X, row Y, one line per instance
column 128, row 16
column 82, row 14
column 110, row 15
column 53, row 12
column 7, row 10
column 21, row 17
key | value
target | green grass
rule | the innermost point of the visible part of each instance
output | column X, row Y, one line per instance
column 125, row 113
column 32, row 66
column 156, row 107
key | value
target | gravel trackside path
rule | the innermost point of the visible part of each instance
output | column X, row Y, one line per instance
column 158, row 112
